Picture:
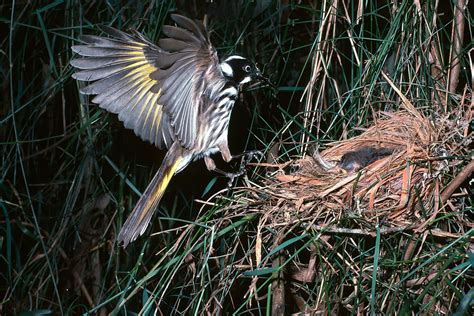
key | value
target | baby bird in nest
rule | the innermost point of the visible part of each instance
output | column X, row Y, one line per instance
column 353, row 161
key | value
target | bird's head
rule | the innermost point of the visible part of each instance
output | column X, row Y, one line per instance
column 240, row 70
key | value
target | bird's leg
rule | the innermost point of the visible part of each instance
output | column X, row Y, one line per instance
column 225, row 152
column 211, row 166
column 227, row 156
column 246, row 156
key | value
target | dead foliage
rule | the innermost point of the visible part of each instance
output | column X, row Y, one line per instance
column 397, row 190
column 404, row 192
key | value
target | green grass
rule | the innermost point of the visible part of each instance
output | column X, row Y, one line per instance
column 70, row 173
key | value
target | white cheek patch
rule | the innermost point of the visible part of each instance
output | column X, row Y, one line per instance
column 227, row 69
column 245, row 80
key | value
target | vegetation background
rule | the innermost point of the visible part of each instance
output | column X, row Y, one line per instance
column 70, row 173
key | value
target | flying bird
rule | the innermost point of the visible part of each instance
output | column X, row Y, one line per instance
column 175, row 94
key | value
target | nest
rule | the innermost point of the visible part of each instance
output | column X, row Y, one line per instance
column 399, row 189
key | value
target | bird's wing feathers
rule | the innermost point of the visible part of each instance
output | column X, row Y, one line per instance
column 187, row 55
column 153, row 89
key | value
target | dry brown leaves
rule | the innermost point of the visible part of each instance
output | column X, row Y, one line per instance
column 395, row 190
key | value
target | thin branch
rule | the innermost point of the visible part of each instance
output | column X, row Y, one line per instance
column 458, row 37
column 457, row 181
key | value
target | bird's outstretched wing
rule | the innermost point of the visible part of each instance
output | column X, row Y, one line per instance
column 154, row 89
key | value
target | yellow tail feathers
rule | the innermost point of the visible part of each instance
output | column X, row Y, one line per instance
column 139, row 219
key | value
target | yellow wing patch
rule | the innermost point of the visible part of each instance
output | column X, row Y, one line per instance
column 119, row 69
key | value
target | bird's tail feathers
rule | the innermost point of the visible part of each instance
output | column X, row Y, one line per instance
column 138, row 221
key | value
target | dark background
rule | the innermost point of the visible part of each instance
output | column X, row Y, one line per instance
column 70, row 172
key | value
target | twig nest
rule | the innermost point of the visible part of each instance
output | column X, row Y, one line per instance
column 391, row 173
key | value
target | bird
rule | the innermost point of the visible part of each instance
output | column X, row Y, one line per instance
column 356, row 160
column 353, row 161
column 176, row 94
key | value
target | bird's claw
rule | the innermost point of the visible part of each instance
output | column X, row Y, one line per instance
column 247, row 156
column 234, row 175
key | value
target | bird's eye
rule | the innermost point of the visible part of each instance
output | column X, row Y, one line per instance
column 247, row 68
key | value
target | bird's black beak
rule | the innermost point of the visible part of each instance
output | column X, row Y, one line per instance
column 258, row 75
